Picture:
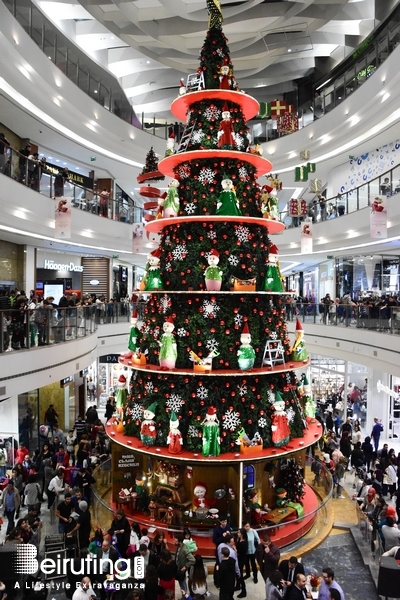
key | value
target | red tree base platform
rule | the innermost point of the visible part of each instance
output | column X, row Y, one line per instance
column 282, row 535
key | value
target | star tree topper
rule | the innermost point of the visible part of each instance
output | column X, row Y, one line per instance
column 214, row 13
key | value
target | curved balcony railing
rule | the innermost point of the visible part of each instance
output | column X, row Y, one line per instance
column 347, row 202
column 42, row 178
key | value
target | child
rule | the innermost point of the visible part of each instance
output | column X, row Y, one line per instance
column 189, row 543
column 145, row 538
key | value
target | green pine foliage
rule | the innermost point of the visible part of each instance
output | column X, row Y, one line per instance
column 151, row 165
column 292, row 480
column 212, row 54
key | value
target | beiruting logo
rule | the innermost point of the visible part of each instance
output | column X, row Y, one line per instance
column 22, row 559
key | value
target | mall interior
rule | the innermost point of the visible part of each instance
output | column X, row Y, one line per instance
column 94, row 88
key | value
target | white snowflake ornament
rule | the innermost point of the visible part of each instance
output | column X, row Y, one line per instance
column 206, row 175
column 193, row 431
column 149, row 387
column 212, row 234
column 179, row 252
column 181, row 332
column 233, row 260
column 190, row 208
column 164, row 303
column 197, row 136
column 242, row 233
column 242, row 389
column 290, row 414
column 262, row 422
column 175, row 402
column 212, row 344
column 238, row 319
column 202, row 392
column 230, row 420
column 212, row 112
column 243, row 173
column 210, row 309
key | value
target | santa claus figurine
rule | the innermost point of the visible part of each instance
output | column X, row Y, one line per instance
column 213, row 275
column 148, row 431
column 279, row 423
column 174, row 439
column 168, row 348
column 224, row 79
column 121, row 394
column 273, row 279
column 298, row 351
column 226, row 139
column 246, row 355
column 171, row 202
column 152, row 277
column 200, row 492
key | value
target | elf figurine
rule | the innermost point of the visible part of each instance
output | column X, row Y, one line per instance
column 211, row 438
column 152, row 276
column 228, row 204
column 279, row 423
column 171, row 202
column 174, row 439
column 168, row 348
column 170, row 145
column 148, row 431
column 298, row 350
column 281, row 499
column 134, row 333
column 213, row 275
column 121, row 394
column 226, row 138
column 309, row 409
column 224, row 79
column 272, row 281
column 246, row 354
column 269, row 203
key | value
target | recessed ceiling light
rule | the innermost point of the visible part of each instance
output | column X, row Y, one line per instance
column 64, row 163
column 289, row 49
column 57, row 160
column 49, row 57
column 95, row 91
column 148, row 62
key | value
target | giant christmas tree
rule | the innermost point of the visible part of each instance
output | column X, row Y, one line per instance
column 207, row 380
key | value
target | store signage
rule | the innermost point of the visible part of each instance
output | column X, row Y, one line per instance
column 53, row 266
column 109, row 358
column 84, row 372
column 66, row 381
column 83, row 180
column 94, row 282
column 127, row 461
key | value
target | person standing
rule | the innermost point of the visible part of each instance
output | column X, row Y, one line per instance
column 241, row 549
column 221, row 531
column 298, row 591
column 10, row 503
column 83, row 526
column 376, row 433
column 267, row 556
column 184, row 560
column 4, row 144
column 327, row 583
column 290, row 568
column 63, row 513
column 227, row 575
column 252, row 542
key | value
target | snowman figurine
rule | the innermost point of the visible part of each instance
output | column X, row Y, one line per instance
column 121, row 394
column 246, row 355
column 148, row 431
column 134, row 334
column 170, row 144
column 228, row 204
column 174, row 439
column 171, row 202
column 152, row 277
column 213, row 274
column 168, row 348
column 273, row 279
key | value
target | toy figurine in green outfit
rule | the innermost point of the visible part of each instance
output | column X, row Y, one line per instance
column 171, row 202
column 152, row 277
column 213, row 275
column 121, row 394
column 246, row 355
column 298, row 351
column 211, row 438
column 273, row 279
column 228, row 204
column 168, row 348
column 134, row 333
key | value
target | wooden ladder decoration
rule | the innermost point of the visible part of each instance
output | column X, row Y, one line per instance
column 273, row 356
column 185, row 139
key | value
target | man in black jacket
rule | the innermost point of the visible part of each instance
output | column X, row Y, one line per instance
column 290, row 569
column 298, row 591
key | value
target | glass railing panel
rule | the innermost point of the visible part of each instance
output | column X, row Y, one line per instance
column 374, row 187
column 363, row 200
column 49, row 44
column 352, row 201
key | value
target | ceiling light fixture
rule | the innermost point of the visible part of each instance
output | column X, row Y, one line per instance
column 23, row 101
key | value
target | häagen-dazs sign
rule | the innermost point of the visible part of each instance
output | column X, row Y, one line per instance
column 53, row 266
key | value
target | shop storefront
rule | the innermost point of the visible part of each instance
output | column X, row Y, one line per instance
column 326, row 279
column 363, row 275
column 56, row 273
column 310, row 284
column 109, row 371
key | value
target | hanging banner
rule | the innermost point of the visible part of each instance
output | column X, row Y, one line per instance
column 378, row 217
column 306, row 237
column 137, row 238
column 63, row 218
